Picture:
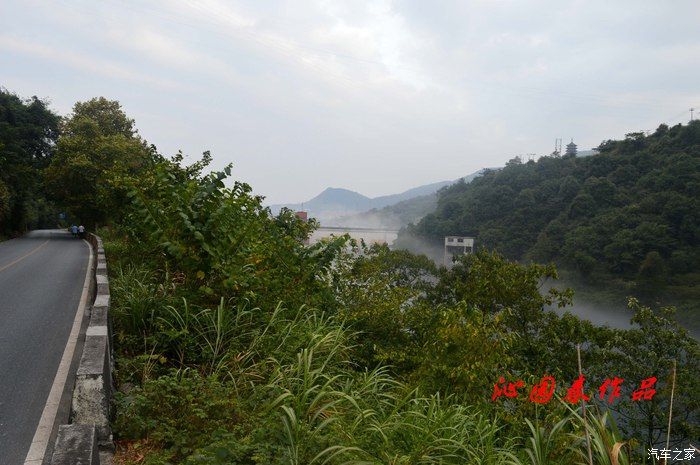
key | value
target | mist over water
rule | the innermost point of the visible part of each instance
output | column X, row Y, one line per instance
column 607, row 316
column 601, row 315
column 370, row 219
column 420, row 246
column 612, row 314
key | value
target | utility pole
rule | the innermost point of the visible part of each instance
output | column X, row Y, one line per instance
column 583, row 406
column 670, row 407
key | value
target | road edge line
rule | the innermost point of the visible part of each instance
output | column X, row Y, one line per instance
column 42, row 435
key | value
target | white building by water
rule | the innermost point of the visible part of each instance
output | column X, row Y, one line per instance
column 457, row 245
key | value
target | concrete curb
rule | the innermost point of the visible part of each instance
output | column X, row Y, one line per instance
column 76, row 445
column 88, row 439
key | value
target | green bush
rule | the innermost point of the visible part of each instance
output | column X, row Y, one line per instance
column 179, row 411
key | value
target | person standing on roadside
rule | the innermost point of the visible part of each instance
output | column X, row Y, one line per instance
column 74, row 230
column 81, row 231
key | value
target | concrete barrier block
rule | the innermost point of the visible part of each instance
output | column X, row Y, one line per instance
column 93, row 385
column 101, row 267
column 101, row 325
column 106, row 457
column 96, row 331
column 100, row 312
column 102, row 284
column 99, row 317
column 76, row 445
column 102, row 301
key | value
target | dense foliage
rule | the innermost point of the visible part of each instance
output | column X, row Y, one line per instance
column 83, row 174
column 98, row 159
column 631, row 211
column 28, row 133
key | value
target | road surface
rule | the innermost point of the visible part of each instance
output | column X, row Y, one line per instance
column 41, row 281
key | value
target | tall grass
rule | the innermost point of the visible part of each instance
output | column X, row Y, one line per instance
column 330, row 413
column 542, row 445
column 135, row 299
column 606, row 440
column 565, row 441
column 206, row 332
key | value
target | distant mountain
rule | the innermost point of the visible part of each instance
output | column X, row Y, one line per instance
column 343, row 207
column 337, row 202
column 400, row 214
column 386, row 200
column 392, row 216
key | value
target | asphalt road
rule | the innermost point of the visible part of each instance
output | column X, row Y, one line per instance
column 41, row 281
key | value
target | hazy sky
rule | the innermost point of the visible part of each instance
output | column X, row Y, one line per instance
column 377, row 96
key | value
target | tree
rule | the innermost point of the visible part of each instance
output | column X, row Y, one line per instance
column 649, row 349
column 652, row 273
column 28, row 133
column 99, row 117
column 380, row 295
column 584, row 263
column 223, row 242
column 97, row 161
column 4, row 201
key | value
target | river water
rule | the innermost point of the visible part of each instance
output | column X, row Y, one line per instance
column 601, row 315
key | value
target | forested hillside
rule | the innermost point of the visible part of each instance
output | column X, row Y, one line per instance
column 631, row 211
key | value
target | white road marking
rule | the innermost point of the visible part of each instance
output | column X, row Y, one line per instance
column 31, row 252
column 40, row 443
